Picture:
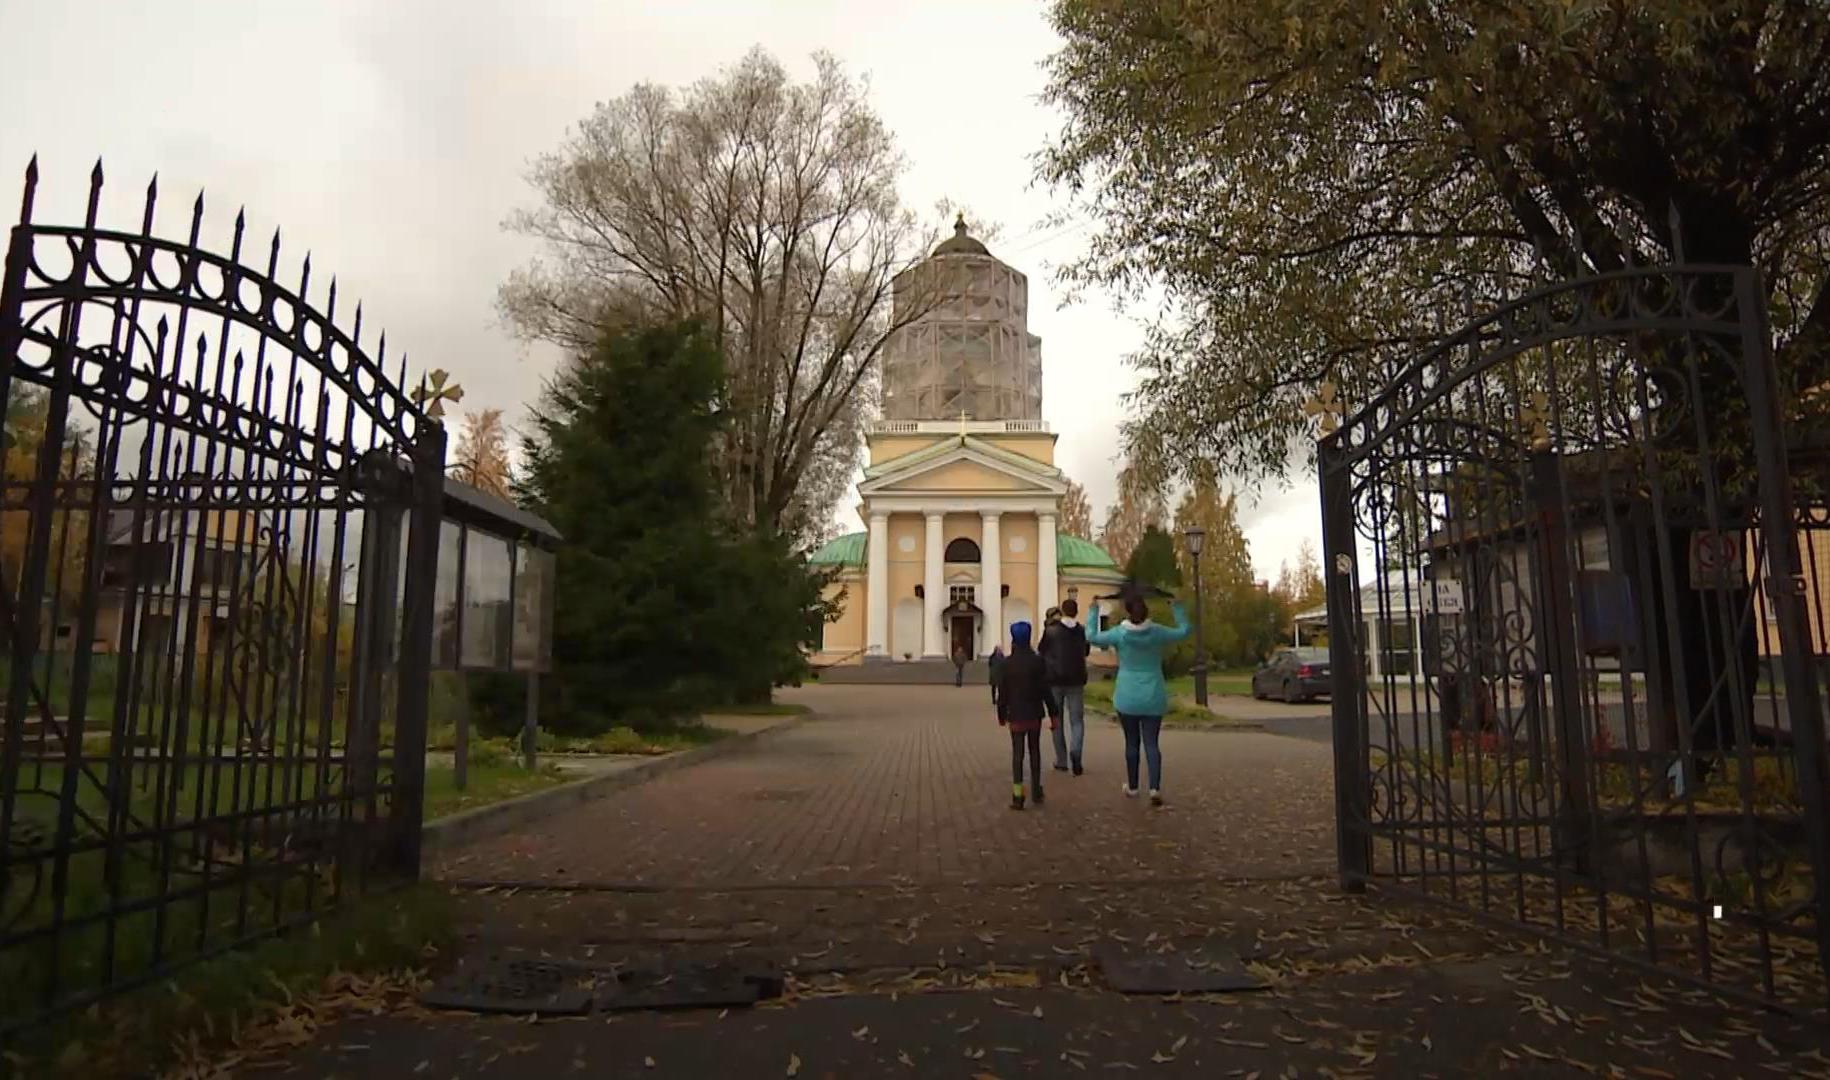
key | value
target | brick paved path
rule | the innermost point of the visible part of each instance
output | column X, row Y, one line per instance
column 929, row 931
column 910, row 784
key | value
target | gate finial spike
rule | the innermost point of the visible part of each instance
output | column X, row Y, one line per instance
column 31, row 190
column 1677, row 231
column 95, row 174
column 95, row 193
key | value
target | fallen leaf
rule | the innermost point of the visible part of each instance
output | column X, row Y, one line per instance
column 1161, row 1058
column 1036, row 1012
column 648, row 1061
column 1179, row 1044
column 794, row 1064
column 903, row 1057
column 861, row 1032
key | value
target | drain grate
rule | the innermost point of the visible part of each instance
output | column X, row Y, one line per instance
column 498, row 985
column 1194, row 972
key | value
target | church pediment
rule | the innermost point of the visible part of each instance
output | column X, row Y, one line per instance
column 965, row 467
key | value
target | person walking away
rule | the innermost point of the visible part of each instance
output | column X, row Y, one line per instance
column 1141, row 696
column 1064, row 651
column 1022, row 701
column 959, row 666
column 996, row 666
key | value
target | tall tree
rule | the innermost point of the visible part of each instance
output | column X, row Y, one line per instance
column 662, row 608
column 1314, row 183
column 1076, row 512
column 1239, row 620
column 768, row 210
column 1301, row 586
column 1140, row 505
column 481, row 456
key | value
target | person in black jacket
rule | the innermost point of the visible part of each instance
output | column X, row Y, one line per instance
column 1064, row 651
column 1022, row 702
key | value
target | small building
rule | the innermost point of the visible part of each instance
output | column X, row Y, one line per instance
column 961, row 499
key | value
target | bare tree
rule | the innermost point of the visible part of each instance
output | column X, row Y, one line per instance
column 766, row 209
column 481, row 457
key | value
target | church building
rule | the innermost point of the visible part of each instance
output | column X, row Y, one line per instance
column 961, row 498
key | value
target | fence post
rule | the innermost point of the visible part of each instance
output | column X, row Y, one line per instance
column 414, row 679
column 1352, row 771
column 1796, row 650
column 1573, row 836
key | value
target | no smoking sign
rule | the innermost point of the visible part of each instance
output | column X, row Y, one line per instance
column 1718, row 560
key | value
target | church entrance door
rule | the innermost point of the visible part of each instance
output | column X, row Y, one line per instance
column 962, row 635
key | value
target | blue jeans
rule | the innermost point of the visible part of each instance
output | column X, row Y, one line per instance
column 1071, row 731
column 1143, row 729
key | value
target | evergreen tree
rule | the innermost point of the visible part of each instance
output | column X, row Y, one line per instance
column 662, row 607
column 1153, row 560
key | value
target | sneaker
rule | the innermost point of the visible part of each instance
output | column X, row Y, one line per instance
column 1077, row 768
column 1016, row 802
column 1061, row 768
column 1130, row 792
column 1156, row 797
column 1037, row 797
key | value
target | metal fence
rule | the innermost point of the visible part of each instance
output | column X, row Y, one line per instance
column 218, row 534
column 1576, row 638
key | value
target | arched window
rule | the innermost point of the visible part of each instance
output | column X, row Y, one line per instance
column 962, row 550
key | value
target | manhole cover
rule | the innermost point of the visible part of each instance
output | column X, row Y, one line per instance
column 704, row 987
column 515, row 986
column 1195, row 972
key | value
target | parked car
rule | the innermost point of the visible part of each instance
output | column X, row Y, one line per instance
column 1293, row 675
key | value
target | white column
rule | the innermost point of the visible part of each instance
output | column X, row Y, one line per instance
column 991, row 582
column 1048, row 575
column 877, row 589
column 934, row 589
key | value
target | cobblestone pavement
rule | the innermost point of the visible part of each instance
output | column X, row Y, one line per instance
column 910, row 784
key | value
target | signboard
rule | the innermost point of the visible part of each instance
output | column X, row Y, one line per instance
column 1718, row 559
column 1447, row 599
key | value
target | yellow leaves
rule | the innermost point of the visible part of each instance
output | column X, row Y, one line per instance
column 794, row 1065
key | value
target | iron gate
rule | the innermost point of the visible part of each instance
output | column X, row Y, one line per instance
column 209, row 493
column 1575, row 636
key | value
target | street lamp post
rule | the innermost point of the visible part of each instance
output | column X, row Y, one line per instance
column 1195, row 536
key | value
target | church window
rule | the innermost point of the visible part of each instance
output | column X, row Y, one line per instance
column 962, row 551
column 960, row 594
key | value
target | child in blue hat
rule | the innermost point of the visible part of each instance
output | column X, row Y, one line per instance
column 1022, row 702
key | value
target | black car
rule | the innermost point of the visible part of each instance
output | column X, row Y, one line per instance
column 1293, row 675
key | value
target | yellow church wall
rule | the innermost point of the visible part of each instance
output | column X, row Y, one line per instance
column 962, row 476
column 845, row 636
column 954, row 526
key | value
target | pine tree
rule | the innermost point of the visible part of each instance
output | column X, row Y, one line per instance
column 663, row 607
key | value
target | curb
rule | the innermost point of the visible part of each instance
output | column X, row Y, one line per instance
column 483, row 822
column 1222, row 725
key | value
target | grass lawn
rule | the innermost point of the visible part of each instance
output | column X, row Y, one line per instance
column 358, row 954
column 487, row 782
column 1183, row 712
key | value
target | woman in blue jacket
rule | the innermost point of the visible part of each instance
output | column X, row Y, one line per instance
column 1141, row 697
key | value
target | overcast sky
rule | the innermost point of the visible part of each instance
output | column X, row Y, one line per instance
column 391, row 138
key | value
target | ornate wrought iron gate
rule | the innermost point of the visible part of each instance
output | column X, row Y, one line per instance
column 209, row 494
column 1577, row 614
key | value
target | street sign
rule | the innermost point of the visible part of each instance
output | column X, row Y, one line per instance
column 1447, row 598
column 1718, row 559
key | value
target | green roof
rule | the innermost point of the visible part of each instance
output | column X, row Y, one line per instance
column 1073, row 551
column 847, row 550
column 850, row 550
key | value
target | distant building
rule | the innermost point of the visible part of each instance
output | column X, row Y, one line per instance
column 961, row 496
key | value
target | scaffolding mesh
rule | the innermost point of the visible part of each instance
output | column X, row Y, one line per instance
column 970, row 352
